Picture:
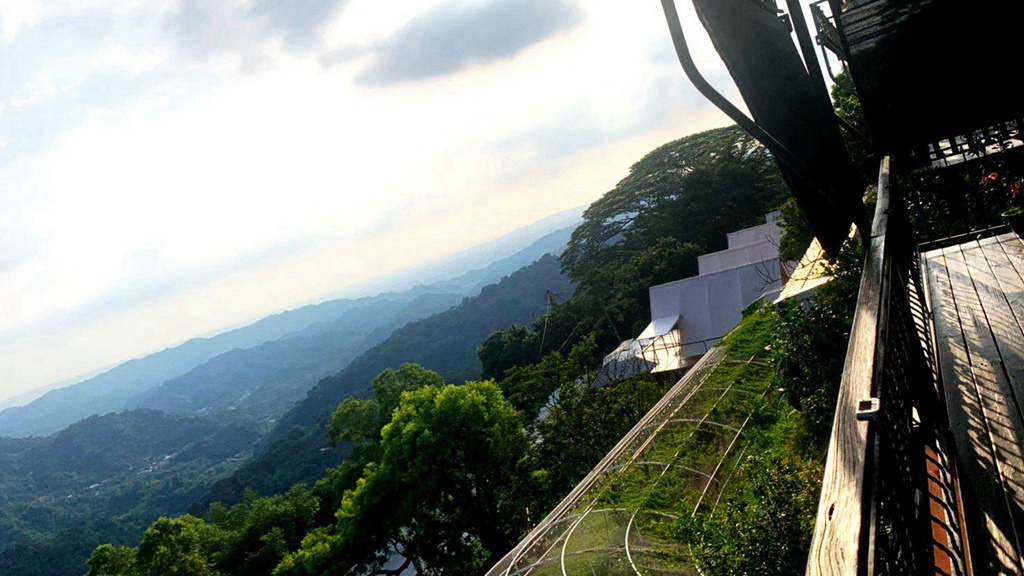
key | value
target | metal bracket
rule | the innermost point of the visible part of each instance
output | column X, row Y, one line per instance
column 869, row 409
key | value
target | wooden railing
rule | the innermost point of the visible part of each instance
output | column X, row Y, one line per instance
column 873, row 514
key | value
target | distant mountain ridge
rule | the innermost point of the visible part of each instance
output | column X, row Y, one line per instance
column 104, row 478
column 266, row 380
column 26, row 397
column 297, row 449
column 127, row 384
column 464, row 263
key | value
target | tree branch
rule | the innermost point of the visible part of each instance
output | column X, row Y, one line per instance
column 393, row 571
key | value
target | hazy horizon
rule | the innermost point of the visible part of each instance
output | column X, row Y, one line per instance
column 171, row 170
column 418, row 274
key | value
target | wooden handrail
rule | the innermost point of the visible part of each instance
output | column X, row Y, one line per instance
column 872, row 519
column 842, row 532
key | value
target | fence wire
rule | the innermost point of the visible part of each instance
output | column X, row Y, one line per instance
column 677, row 460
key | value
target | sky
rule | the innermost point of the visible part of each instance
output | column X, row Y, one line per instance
column 169, row 169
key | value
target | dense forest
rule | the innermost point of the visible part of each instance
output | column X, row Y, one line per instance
column 50, row 507
column 435, row 469
column 107, row 477
column 296, row 451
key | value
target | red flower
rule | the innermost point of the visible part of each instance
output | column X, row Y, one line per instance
column 991, row 176
column 1015, row 188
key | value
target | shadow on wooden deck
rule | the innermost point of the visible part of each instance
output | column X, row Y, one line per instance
column 976, row 292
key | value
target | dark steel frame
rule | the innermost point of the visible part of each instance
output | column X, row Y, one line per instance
column 778, row 150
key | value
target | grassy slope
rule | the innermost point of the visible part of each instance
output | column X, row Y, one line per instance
column 743, row 524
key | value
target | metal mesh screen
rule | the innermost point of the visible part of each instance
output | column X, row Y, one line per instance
column 679, row 457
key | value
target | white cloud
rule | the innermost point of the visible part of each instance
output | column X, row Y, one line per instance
column 16, row 14
column 121, row 58
column 41, row 89
column 262, row 188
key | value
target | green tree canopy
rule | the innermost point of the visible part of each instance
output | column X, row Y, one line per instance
column 359, row 421
column 447, row 492
column 529, row 387
column 695, row 189
column 679, row 201
column 505, row 349
column 176, row 547
column 107, row 560
column 257, row 533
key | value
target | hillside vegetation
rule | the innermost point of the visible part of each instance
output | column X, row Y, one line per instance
column 106, row 477
column 312, row 342
column 297, row 448
column 113, row 475
column 444, row 477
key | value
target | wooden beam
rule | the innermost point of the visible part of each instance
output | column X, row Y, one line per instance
column 841, row 534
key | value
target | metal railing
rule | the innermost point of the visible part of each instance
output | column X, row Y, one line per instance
column 974, row 144
column 874, row 514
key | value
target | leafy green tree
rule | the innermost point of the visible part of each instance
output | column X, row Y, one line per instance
column 107, row 560
column 248, row 539
column 259, row 532
column 528, row 388
column 447, row 494
column 563, row 326
column 695, row 189
column 506, row 349
column 582, row 426
column 360, row 421
column 665, row 260
column 677, row 202
column 176, row 547
column 390, row 385
column 355, row 420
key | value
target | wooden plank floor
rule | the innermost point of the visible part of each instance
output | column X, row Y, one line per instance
column 976, row 294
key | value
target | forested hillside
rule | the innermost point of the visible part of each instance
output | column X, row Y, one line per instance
column 372, row 319
column 445, row 343
column 443, row 477
column 266, row 380
column 649, row 229
column 105, row 478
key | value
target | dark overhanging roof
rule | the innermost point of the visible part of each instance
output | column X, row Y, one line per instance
column 929, row 70
column 792, row 114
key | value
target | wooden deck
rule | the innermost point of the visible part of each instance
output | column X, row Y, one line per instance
column 976, row 294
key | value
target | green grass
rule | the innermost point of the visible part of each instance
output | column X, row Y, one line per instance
column 666, row 482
